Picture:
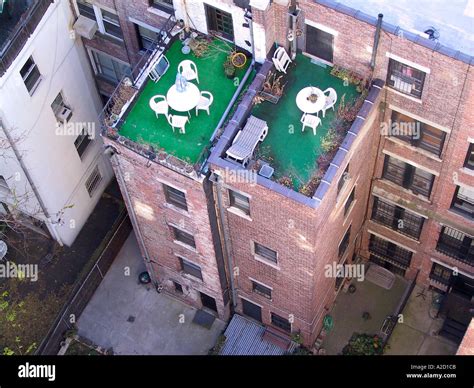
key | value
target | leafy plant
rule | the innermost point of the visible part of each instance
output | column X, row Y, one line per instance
column 329, row 141
column 273, row 85
column 363, row 345
column 229, row 68
column 286, row 181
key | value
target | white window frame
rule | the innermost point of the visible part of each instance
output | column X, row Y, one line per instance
column 100, row 21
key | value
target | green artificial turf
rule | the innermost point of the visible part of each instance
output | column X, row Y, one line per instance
column 142, row 126
column 292, row 152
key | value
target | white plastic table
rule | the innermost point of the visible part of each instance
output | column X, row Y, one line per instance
column 183, row 101
column 307, row 106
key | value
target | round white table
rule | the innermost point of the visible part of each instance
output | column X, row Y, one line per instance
column 307, row 106
column 183, row 101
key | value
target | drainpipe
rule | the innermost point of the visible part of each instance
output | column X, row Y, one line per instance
column 49, row 223
column 113, row 152
column 230, row 263
column 376, row 41
column 294, row 12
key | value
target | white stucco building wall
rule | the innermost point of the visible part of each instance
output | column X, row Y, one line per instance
column 48, row 150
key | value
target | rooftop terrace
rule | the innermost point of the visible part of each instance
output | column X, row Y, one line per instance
column 291, row 152
column 141, row 125
column 11, row 13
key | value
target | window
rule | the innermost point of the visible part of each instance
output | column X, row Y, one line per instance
column 175, row 197
column 251, row 310
column 239, row 201
column 417, row 133
column 146, row 38
column 343, row 179
column 219, row 22
column 440, row 274
column 463, row 202
column 109, row 68
column 31, row 75
column 281, row 323
column 183, row 237
column 397, row 218
column 178, row 287
column 62, row 112
column 265, row 253
column 344, row 243
column 261, row 290
column 319, row 43
column 388, row 252
column 456, row 244
column 86, row 9
column 82, row 142
column 408, row 176
column 405, row 79
column 190, row 268
column 109, row 24
column 164, row 5
column 92, row 183
column 469, row 163
column 349, row 201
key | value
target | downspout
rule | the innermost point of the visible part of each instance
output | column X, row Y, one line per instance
column 50, row 224
column 112, row 151
column 376, row 41
column 230, row 263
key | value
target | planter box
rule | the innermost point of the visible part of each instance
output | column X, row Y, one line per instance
column 270, row 97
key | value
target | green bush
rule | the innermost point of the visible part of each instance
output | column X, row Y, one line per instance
column 363, row 345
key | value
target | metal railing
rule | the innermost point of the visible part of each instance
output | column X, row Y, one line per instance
column 456, row 244
column 23, row 30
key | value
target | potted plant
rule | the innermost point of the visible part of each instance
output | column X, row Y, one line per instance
column 229, row 68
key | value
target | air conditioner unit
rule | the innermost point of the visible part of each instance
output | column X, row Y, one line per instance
column 85, row 27
column 64, row 114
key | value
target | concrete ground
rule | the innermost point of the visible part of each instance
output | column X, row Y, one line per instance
column 417, row 334
column 348, row 310
column 134, row 319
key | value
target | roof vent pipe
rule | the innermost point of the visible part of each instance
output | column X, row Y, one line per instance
column 376, row 41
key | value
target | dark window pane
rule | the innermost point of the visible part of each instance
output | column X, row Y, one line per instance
column 456, row 244
column 30, row 74
column 388, row 252
column 220, row 22
column 440, row 274
column 343, row 179
column 261, row 290
column 82, row 142
column 251, row 310
column 175, row 197
column 319, row 43
column 463, row 202
column 344, row 243
column 281, row 323
column 469, row 163
column 190, row 268
column 265, row 252
column 184, row 237
column 349, row 201
column 86, row 9
column 239, row 201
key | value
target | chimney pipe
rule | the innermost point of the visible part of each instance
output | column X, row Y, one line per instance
column 376, row 41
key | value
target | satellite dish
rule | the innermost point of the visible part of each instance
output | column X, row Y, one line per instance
column 3, row 249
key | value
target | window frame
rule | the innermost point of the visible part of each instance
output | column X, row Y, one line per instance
column 261, row 289
column 193, row 270
column 98, row 66
column 387, row 251
column 408, row 176
column 180, row 235
column 320, row 33
column 33, row 70
column 82, row 147
column 343, row 179
column 350, row 200
column 405, row 68
column 468, row 163
column 344, row 243
column 280, row 322
column 170, row 198
column 102, row 21
column 213, row 25
column 441, row 276
column 236, row 204
column 449, row 245
column 258, row 249
column 162, row 5
column 83, row 5
column 459, row 209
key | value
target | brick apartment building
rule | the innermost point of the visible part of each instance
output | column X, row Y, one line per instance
column 218, row 233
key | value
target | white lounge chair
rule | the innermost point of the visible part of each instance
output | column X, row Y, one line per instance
column 243, row 146
column 281, row 59
column 159, row 105
column 310, row 121
column 177, row 121
column 189, row 70
column 205, row 102
column 331, row 98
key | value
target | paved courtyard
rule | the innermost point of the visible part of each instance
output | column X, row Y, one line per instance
column 417, row 335
column 134, row 319
column 347, row 313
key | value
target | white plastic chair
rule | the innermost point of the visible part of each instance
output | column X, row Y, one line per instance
column 179, row 122
column 311, row 121
column 205, row 102
column 159, row 105
column 189, row 70
column 281, row 59
column 331, row 98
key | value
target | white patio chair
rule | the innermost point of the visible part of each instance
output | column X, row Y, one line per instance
column 205, row 102
column 281, row 59
column 189, row 70
column 179, row 122
column 311, row 121
column 159, row 105
column 331, row 98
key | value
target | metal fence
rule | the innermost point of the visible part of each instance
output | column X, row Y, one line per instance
column 85, row 288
